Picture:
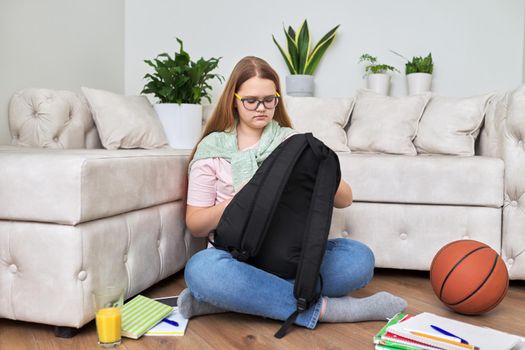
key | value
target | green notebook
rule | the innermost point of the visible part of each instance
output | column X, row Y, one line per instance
column 140, row 314
column 385, row 344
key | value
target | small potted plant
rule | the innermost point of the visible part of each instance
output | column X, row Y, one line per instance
column 419, row 73
column 378, row 79
column 180, row 84
column 301, row 60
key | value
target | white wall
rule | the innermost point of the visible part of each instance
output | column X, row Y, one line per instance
column 477, row 45
column 59, row 44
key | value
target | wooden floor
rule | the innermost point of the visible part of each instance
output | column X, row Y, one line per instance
column 234, row 331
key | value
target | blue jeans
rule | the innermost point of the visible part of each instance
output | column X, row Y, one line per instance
column 213, row 276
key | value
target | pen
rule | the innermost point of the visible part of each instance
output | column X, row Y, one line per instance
column 444, row 340
column 442, row 331
column 173, row 323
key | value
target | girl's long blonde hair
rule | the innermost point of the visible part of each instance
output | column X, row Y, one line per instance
column 224, row 114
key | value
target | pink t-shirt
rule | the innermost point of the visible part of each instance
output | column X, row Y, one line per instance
column 211, row 181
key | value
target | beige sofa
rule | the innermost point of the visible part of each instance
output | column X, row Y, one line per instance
column 406, row 207
column 72, row 219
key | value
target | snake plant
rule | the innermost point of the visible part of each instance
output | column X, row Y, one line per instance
column 300, row 58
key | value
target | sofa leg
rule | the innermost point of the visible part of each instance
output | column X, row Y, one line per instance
column 65, row 332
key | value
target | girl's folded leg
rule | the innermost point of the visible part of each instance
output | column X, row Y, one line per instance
column 348, row 265
column 214, row 277
column 219, row 282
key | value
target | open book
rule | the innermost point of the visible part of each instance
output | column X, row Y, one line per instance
column 419, row 329
column 174, row 324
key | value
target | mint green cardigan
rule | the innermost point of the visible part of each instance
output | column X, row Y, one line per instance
column 244, row 163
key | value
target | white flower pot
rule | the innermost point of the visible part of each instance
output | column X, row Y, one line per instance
column 182, row 123
column 419, row 83
column 300, row 85
column 379, row 82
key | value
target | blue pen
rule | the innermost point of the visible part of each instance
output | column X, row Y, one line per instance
column 442, row 331
column 173, row 323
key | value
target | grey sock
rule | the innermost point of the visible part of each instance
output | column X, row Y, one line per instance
column 190, row 307
column 379, row 306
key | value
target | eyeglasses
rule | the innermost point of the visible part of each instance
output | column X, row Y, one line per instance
column 251, row 103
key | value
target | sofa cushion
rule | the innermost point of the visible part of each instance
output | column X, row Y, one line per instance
column 450, row 125
column 424, row 179
column 385, row 124
column 73, row 186
column 408, row 236
column 324, row 117
column 125, row 121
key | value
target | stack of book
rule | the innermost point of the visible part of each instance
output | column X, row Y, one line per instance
column 430, row 332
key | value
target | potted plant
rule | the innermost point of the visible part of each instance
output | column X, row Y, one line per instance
column 301, row 60
column 180, row 84
column 419, row 73
column 377, row 75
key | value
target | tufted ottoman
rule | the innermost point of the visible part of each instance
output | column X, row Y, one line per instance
column 75, row 220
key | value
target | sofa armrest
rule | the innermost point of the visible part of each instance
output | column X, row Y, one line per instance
column 46, row 118
column 491, row 137
column 503, row 136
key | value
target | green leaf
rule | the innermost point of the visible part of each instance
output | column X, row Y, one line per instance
column 302, row 40
column 326, row 37
column 291, row 32
column 149, row 63
column 292, row 51
column 316, row 55
column 367, row 58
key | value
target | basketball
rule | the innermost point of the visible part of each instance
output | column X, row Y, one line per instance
column 469, row 277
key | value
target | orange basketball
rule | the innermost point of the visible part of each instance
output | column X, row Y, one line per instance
column 469, row 277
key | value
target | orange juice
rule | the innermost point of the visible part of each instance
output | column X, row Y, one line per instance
column 108, row 325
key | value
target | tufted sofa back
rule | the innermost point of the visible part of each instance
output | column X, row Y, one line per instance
column 46, row 118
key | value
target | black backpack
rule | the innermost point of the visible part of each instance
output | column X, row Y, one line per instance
column 280, row 220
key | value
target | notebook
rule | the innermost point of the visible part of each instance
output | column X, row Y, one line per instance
column 387, row 340
column 175, row 328
column 140, row 314
column 482, row 337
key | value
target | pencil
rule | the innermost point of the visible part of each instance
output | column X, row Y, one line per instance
column 433, row 337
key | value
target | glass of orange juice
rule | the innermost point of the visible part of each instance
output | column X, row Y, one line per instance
column 108, row 303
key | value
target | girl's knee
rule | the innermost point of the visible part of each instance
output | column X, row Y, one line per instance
column 355, row 251
column 366, row 254
column 364, row 260
column 358, row 263
column 200, row 268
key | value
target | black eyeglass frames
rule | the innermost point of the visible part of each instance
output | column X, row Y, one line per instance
column 252, row 103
